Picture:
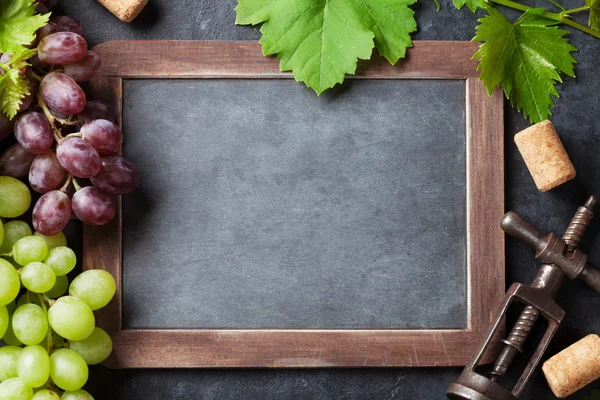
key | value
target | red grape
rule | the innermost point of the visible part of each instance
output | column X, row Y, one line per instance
column 64, row 23
column 103, row 135
column 93, row 206
column 116, row 176
column 52, row 213
column 97, row 109
column 46, row 173
column 84, row 69
column 26, row 101
column 33, row 132
column 15, row 161
column 78, row 157
column 61, row 48
column 61, row 93
column 6, row 126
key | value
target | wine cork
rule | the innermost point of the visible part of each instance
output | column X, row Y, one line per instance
column 125, row 10
column 574, row 367
column 545, row 156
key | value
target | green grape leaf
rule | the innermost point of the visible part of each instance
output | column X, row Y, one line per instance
column 593, row 395
column 13, row 84
column 472, row 4
column 322, row 40
column 594, row 21
column 18, row 24
column 525, row 58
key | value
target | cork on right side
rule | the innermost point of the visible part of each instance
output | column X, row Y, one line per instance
column 545, row 156
column 573, row 368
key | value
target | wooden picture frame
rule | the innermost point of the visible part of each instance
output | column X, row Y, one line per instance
column 185, row 348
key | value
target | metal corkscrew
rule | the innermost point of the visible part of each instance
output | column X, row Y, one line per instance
column 560, row 258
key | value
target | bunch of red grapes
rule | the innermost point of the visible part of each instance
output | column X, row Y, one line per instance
column 65, row 144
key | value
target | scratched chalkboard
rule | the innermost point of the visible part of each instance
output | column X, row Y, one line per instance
column 265, row 206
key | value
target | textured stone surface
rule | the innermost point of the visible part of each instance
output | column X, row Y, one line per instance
column 575, row 117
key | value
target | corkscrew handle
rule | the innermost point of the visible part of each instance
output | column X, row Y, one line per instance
column 519, row 228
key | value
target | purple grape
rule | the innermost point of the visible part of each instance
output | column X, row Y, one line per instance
column 64, row 23
column 52, row 213
column 26, row 101
column 93, row 206
column 6, row 126
column 84, row 69
column 97, row 109
column 48, row 3
column 46, row 173
column 116, row 176
column 15, row 161
column 34, row 132
column 61, row 48
column 41, row 9
column 61, row 93
column 78, row 157
column 103, row 135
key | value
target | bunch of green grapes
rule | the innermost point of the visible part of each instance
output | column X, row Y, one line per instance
column 50, row 334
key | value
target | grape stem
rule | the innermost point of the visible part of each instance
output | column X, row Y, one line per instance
column 67, row 183
column 562, row 17
column 76, row 134
column 34, row 75
column 76, row 184
column 49, row 334
column 49, row 117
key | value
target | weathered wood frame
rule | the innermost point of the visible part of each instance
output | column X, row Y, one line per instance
column 149, row 348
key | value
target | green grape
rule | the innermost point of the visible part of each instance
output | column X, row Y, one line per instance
column 38, row 277
column 46, row 395
column 33, row 366
column 95, row 348
column 15, row 197
column 68, row 370
column 95, row 287
column 29, row 298
column 9, row 358
column 9, row 337
column 30, row 249
column 71, row 318
column 60, row 287
column 76, row 395
column 62, row 260
column 13, row 231
column 10, row 283
column 1, row 232
column 53, row 241
column 30, row 324
column 15, row 389
column 4, row 320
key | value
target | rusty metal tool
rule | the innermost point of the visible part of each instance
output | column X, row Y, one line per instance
column 560, row 258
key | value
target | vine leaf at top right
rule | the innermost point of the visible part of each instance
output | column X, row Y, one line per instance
column 525, row 58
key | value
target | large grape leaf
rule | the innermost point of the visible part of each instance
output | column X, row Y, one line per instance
column 322, row 40
column 13, row 84
column 18, row 24
column 525, row 58
column 594, row 20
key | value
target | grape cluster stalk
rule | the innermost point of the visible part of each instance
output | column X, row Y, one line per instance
column 66, row 145
column 50, row 335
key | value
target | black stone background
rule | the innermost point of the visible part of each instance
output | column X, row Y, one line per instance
column 575, row 117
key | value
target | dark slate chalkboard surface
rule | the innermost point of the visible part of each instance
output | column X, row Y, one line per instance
column 264, row 206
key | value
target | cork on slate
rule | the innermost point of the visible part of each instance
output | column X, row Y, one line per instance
column 574, row 367
column 545, row 156
column 125, row 10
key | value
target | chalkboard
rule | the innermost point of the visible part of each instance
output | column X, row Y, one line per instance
column 266, row 210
